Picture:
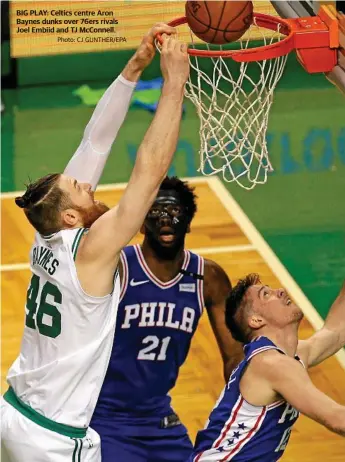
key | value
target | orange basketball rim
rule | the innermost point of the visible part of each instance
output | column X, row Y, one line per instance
column 315, row 39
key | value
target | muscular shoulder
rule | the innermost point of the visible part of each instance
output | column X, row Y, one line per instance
column 213, row 270
column 217, row 284
column 268, row 359
column 255, row 384
column 263, row 365
column 270, row 363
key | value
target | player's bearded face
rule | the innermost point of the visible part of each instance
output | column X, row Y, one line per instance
column 91, row 214
column 80, row 197
column 166, row 225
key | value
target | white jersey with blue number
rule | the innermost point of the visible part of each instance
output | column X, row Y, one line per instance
column 68, row 335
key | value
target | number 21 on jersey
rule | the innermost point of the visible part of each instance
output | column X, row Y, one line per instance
column 156, row 348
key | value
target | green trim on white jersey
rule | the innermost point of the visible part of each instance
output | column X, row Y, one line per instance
column 41, row 420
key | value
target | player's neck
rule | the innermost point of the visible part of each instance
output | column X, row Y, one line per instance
column 285, row 338
column 163, row 269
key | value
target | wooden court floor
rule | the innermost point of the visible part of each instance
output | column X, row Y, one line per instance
column 223, row 233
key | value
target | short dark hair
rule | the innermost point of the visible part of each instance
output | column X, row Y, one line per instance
column 184, row 190
column 42, row 202
column 235, row 301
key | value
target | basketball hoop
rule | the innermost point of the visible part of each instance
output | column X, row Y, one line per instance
column 233, row 101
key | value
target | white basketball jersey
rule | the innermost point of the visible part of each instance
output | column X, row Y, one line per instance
column 68, row 335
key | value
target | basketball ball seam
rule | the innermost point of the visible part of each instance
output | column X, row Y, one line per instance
column 226, row 30
column 220, row 30
column 220, row 19
column 190, row 11
column 209, row 15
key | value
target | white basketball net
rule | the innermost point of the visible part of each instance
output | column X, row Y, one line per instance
column 233, row 108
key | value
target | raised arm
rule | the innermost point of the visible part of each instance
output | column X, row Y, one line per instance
column 88, row 162
column 99, row 251
column 288, row 378
column 216, row 288
column 328, row 340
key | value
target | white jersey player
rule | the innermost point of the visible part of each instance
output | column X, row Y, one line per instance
column 73, row 294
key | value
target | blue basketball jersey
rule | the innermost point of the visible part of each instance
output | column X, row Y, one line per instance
column 241, row 432
column 155, row 324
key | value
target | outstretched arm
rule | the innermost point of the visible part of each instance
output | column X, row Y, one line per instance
column 288, row 378
column 99, row 252
column 328, row 340
column 88, row 162
column 216, row 288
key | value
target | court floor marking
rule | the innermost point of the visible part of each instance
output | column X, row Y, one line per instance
column 269, row 257
column 257, row 243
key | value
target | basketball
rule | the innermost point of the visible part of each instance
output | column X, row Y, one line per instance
column 219, row 22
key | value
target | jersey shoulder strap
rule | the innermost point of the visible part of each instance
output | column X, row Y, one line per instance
column 259, row 345
column 69, row 237
column 195, row 266
column 124, row 272
column 194, row 275
column 128, row 257
column 72, row 237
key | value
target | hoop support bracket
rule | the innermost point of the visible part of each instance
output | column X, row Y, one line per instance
column 316, row 40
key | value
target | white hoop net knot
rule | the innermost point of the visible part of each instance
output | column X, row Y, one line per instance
column 233, row 101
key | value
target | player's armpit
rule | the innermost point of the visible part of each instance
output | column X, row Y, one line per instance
column 216, row 288
column 319, row 347
column 287, row 377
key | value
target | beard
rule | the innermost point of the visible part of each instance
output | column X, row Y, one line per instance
column 165, row 252
column 91, row 214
